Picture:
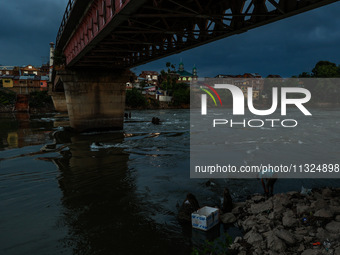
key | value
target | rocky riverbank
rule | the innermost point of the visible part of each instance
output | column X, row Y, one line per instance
column 292, row 223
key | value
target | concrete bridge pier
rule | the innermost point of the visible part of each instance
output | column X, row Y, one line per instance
column 59, row 101
column 95, row 99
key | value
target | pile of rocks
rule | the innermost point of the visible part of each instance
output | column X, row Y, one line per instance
column 289, row 223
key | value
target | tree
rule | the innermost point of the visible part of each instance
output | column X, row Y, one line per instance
column 324, row 90
column 40, row 99
column 7, row 97
column 142, row 84
column 304, row 75
column 135, row 99
column 168, row 78
column 181, row 94
column 325, row 69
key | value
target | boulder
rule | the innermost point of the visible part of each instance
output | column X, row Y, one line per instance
column 317, row 195
column 238, row 207
column 252, row 237
column 301, row 209
column 301, row 231
column 238, row 239
column 282, row 199
column 235, row 246
column 337, row 251
column 299, row 238
column 249, row 223
column 288, row 219
column 327, row 192
column 272, row 253
column 335, row 209
column 278, row 208
column 308, row 239
column 324, row 235
column 335, row 201
column 319, row 204
column 275, row 244
column 258, row 198
column 333, row 227
column 263, row 223
column 311, row 252
column 261, row 207
column 293, row 193
column 228, row 218
column 324, row 213
column 301, row 248
column 285, row 235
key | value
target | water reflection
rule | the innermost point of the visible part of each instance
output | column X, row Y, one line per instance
column 117, row 194
column 18, row 130
column 101, row 211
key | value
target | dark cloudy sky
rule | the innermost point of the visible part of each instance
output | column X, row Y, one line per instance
column 286, row 47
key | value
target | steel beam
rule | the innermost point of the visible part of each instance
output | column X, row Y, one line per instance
column 154, row 29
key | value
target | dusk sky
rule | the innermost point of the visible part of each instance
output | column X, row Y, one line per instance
column 286, row 47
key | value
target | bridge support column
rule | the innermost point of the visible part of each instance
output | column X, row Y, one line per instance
column 95, row 99
column 59, row 101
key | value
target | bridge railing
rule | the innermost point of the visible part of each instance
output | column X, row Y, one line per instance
column 68, row 10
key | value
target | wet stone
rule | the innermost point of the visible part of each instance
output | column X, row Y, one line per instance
column 228, row 218
column 324, row 213
column 262, row 207
column 333, row 227
column 253, row 237
column 285, row 236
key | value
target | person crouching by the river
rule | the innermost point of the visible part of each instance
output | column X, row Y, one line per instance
column 189, row 205
column 268, row 179
column 227, row 205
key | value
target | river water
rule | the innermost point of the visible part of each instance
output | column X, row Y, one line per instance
column 109, row 193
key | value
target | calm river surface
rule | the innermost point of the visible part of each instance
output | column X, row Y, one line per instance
column 112, row 193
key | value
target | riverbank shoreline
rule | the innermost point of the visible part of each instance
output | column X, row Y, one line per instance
column 288, row 223
column 161, row 106
column 34, row 110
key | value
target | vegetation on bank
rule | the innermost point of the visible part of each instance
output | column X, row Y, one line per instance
column 7, row 97
column 135, row 99
column 322, row 69
column 37, row 100
column 324, row 90
column 178, row 90
column 40, row 99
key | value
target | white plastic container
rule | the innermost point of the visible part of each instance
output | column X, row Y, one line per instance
column 205, row 218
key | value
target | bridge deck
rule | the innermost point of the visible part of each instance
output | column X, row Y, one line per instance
column 123, row 34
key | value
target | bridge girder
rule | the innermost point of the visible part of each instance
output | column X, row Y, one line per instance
column 124, row 34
